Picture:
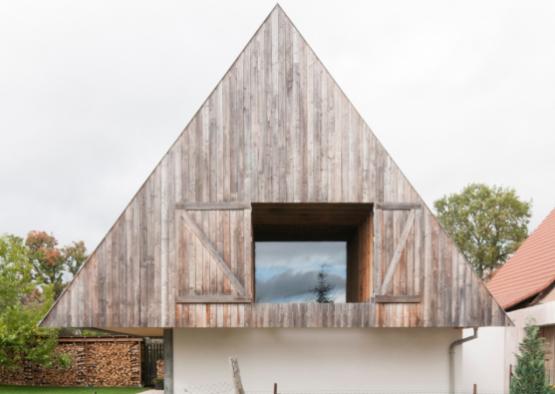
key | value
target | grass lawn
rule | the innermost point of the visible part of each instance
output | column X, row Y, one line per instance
column 67, row 390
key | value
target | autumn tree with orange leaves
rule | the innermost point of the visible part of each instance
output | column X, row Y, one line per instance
column 51, row 262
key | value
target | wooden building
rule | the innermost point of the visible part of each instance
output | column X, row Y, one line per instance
column 276, row 152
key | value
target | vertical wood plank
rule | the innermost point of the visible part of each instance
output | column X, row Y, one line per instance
column 276, row 128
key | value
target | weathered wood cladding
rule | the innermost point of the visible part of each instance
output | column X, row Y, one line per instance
column 214, row 256
column 308, row 222
column 276, row 129
column 359, row 263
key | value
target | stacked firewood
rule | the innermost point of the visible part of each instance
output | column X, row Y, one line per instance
column 160, row 369
column 114, row 364
column 58, row 376
column 94, row 362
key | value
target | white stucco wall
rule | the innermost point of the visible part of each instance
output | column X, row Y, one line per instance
column 541, row 314
column 397, row 360
column 483, row 360
column 487, row 361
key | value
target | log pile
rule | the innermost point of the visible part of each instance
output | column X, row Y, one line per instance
column 160, row 369
column 58, row 376
column 108, row 362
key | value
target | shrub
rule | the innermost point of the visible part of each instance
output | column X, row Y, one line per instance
column 529, row 376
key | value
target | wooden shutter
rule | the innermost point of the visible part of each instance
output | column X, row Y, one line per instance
column 214, row 253
column 398, row 253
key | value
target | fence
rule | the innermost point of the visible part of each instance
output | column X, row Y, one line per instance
column 228, row 388
column 153, row 358
column 235, row 386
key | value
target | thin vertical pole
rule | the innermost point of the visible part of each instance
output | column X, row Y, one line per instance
column 237, row 384
column 475, row 389
column 275, row 388
column 168, row 361
column 510, row 373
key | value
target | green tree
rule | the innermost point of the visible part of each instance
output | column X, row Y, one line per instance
column 51, row 262
column 487, row 224
column 16, row 279
column 323, row 288
column 24, row 299
column 529, row 376
column 74, row 256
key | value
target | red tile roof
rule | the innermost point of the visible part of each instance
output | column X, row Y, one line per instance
column 530, row 270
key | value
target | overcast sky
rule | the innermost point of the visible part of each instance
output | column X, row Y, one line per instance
column 92, row 94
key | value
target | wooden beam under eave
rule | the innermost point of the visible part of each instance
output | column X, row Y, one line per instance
column 213, row 299
column 398, row 206
column 213, row 206
column 400, row 299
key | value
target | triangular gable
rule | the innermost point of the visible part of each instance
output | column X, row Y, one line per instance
column 277, row 128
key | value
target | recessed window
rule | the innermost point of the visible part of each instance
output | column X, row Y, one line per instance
column 312, row 252
column 309, row 271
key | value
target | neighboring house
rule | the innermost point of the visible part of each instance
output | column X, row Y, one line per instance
column 525, row 288
column 278, row 153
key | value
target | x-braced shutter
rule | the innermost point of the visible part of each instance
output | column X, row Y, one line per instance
column 398, row 252
column 214, row 252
